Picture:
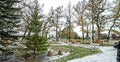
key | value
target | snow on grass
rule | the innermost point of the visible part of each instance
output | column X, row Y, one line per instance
column 52, row 58
column 108, row 55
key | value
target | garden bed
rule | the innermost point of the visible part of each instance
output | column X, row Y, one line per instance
column 75, row 52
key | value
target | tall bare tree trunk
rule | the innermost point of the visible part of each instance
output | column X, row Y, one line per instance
column 92, row 27
column 87, row 36
column 57, row 39
column 69, row 20
column 98, row 32
column 108, row 37
column 82, row 29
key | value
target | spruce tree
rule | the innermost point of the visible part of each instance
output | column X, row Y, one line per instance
column 36, row 43
column 9, row 17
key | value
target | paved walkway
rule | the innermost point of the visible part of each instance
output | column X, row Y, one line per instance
column 108, row 55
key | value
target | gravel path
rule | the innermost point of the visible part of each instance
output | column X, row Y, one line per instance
column 108, row 55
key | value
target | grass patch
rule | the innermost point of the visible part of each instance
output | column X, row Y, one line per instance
column 108, row 44
column 75, row 52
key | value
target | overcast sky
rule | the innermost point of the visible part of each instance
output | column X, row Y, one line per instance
column 55, row 3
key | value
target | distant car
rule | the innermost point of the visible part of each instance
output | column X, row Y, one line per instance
column 103, row 36
column 114, row 36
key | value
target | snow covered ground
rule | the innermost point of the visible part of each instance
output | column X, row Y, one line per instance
column 108, row 55
column 52, row 58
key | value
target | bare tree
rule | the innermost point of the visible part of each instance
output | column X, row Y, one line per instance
column 58, row 15
column 115, row 17
column 80, row 10
column 97, row 7
column 69, row 21
column 48, row 22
